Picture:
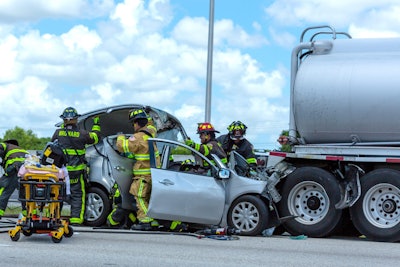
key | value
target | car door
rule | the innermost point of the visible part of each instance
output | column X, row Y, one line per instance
column 121, row 168
column 181, row 194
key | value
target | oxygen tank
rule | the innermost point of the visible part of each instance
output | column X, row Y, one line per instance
column 348, row 92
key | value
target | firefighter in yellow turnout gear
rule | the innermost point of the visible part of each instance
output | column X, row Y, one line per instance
column 137, row 147
column 120, row 217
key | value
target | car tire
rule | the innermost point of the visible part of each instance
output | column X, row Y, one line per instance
column 249, row 214
column 98, row 206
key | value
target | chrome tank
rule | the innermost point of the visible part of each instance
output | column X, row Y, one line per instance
column 349, row 93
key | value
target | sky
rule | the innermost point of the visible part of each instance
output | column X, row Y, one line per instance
column 97, row 53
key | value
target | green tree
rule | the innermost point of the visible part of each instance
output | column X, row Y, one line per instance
column 26, row 138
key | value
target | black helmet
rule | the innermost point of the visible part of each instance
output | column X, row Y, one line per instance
column 237, row 130
column 136, row 114
column 12, row 142
column 69, row 113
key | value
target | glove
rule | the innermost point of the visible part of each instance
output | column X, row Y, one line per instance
column 96, row 120
column 121, row 137
column 189, row 142
column 96, row 124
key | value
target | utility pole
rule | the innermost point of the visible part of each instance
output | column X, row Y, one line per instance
column 209, row 61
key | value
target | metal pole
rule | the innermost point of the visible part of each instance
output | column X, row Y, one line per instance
column 209, row 61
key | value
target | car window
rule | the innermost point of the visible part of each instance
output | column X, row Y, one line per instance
column 179, row 158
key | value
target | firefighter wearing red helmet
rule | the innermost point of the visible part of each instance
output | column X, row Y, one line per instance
column 209, row 144
column 236, row 141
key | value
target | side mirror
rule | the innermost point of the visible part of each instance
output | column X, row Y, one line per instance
column 224, row 174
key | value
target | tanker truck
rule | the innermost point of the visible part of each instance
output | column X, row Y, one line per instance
column 343, row 168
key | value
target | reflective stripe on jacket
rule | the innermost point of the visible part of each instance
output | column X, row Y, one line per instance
column 11, row 154
column 138, row 146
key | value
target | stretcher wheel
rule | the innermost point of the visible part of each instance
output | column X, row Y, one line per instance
column 16, row 236
column 56, row 240
column 70, row 232
column 27, row 233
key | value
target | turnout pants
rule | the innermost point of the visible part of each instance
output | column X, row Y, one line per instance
column 141, row 190
column 78, row 195
column 8, row 184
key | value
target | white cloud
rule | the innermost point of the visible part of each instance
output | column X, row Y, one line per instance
column 130, row 58
column 12, row 11
column 9, row 68
column 370, row 16
column 29, row 105
column 194, row 31
column 142, row 52
column 80, row 37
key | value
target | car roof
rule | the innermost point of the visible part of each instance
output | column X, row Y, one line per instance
column 114, row 119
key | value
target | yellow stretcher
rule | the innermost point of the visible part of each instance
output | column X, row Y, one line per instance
column 42, row 189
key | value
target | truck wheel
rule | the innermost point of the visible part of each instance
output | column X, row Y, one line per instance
column 248, row 214
column 310, row 193
column 98, row 206
column 376, row 214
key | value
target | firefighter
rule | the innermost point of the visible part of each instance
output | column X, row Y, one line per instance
column 74, row 141
column 235, row 141
column 120, row 217
column 209, row 144
column 138, row 148
column 13, row 158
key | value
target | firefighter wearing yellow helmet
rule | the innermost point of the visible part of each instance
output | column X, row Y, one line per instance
column 137, row 147
column 209, row 145
column 235, row 141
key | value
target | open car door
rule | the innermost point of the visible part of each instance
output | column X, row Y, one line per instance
column 183, row 192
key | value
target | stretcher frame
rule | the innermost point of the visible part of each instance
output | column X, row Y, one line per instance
column 43, row 192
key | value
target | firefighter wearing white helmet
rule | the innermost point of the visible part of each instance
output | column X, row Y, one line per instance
column 209, row 144
column 235, row 141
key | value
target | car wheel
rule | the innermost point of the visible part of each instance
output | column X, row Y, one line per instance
column 98, row 206
column 248, row 214
column 310, row 193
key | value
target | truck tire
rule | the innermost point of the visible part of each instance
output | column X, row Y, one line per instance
column 376, row 214
column 98, row 206
column 310, row 193
column 249, row 214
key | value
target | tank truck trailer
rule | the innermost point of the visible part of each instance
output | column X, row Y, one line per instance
column 344, row 163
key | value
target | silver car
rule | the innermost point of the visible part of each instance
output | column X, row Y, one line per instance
column 187, row 187
column 191, row 188
column 106, row 165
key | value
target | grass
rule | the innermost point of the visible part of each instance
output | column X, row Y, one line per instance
column 14, row 209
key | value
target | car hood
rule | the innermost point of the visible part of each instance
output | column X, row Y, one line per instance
column 114, row 120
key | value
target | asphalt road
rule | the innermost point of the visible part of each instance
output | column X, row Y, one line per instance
column 129, row 248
